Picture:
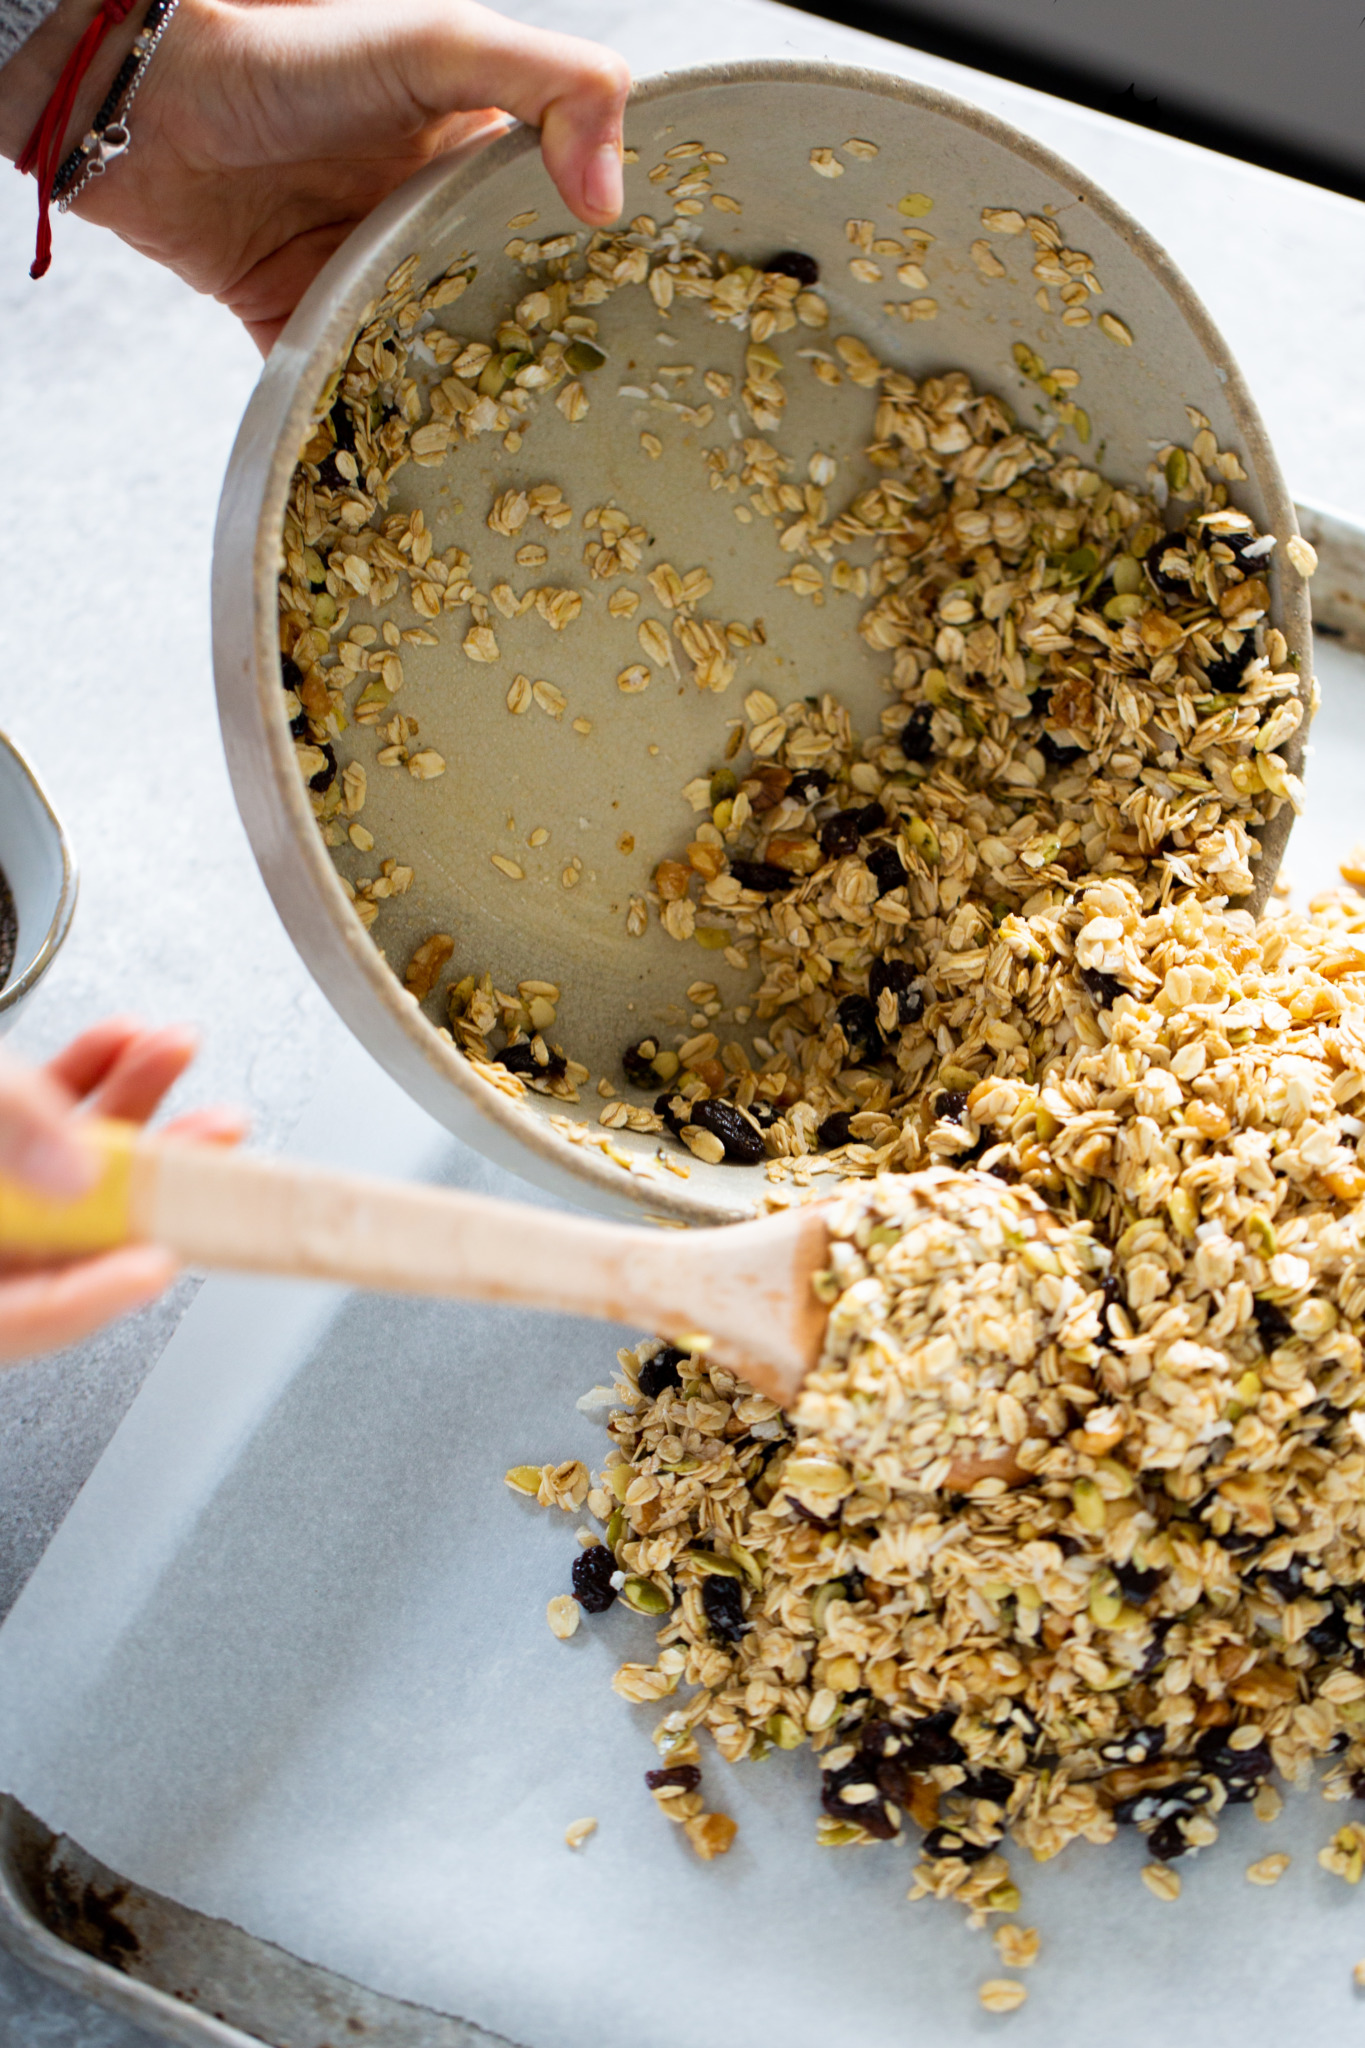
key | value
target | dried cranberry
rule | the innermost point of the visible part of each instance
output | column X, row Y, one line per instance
column 763, row 876
column 836, row 1130
column 685, row 1775
column 917, row 734
column 1272, row 1324
column 520, row 1059
column 741, row 1141
column 639, row 1066
column 1169, row 586
column 898, row 976
column 888, row 868
column 661, row 1371
column 951, row 1105
column 1102, row 987
column 723, row 1602
column 858, row 1022
column 794, row 263
column 592, row 1575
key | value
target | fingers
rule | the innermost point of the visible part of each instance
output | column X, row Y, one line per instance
column 46, row 1311
column 209, row 1127
column 85, row 1062
column 149, row 1064
column 37, row 1142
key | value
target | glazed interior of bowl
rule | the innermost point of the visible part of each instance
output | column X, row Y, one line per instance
column 543, row 825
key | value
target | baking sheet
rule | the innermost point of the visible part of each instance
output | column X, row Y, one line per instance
column 287, row 1662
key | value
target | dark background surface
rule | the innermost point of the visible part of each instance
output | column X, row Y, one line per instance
column 1272, row 82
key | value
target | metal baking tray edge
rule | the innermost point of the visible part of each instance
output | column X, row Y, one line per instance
column 205, row 1983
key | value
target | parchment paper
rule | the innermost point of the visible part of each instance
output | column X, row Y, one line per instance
column 287, row 1661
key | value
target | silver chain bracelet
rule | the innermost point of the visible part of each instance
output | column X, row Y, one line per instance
column 109, row 136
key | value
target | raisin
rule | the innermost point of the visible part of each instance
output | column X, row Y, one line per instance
column 808, row 1514
column 888, row 868
column 1056, row 752
column 1040, row 702
column 685, row 1775
column 1166, row 1842
column 794, row 263
column 1168, row 585
column 741, row 1141
column 763, row 876
column 869, row 1814
column 1103, row 988
column 1239, row 1769
column 520, row 1059
column 325, row 777
column 1134, row 1584
column 639, row 1064
column 343, row 426
column 291, row 672
column 840, row 834
column 898, row 976
column 951, row 1106
column 1358, row 1784
column 723, row 1602
column 1272, row 1324
column 663, row 1106
column 988, row 1783
column 931, row 1741
column 1224, row 673
column 661, row 1371
column 858, row 1022
column 836, row 1130
column 809, row 784
column 329, row 476
column 1138, row 1746
column 1287, row 1581
column 301, row 726
column 941, row 1843
column 1330, row 1636
column 917, row 734
column 592, row 1575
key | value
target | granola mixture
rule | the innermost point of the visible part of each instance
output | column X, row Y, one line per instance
column 1067, row 1532
column 1083, row 683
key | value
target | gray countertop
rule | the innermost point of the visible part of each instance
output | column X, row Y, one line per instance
column 122, row 395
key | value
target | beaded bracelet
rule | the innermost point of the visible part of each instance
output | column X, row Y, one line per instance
column 108, row 135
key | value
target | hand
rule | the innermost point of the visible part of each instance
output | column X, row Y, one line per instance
column 268, row 128
column 116, row 1069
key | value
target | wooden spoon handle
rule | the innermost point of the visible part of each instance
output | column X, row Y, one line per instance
column 747, row 1287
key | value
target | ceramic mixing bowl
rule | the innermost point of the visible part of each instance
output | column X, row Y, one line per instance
column 608, row 797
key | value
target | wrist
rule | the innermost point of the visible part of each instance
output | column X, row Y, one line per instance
column 28, row 81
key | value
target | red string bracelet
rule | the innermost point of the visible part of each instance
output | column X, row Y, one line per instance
column 43, row 150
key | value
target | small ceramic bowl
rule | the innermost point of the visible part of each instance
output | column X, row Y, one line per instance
column 40, row 869
column 605, row 798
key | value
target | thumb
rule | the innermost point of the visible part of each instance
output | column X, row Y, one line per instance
column 573, row 91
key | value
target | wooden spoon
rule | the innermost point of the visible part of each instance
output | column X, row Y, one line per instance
column 741, row 1293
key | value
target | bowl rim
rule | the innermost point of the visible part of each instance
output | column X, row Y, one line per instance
column 14, row 991
column 298, row 872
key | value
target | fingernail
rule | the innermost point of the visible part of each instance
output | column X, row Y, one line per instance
column 602, row 181
column 59, row 1166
